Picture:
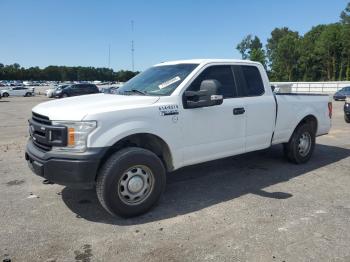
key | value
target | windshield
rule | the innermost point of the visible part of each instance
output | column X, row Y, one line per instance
column 157, row 80
column 62, row 87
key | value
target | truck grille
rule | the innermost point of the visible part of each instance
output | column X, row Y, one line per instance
column 41, row 119
column 37, row 131
column 44, row 135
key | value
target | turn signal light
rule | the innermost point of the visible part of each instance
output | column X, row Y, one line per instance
column 71, row 140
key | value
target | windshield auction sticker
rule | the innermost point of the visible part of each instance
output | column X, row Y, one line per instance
column 169, row 82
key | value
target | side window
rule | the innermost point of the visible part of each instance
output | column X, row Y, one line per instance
column 223, row 74
column 253, row 83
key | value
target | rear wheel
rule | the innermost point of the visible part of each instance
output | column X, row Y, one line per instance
column 28, row 94
column 131, row 182
column 301, row 145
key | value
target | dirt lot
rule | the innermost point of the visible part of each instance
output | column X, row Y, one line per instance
column 253, row 207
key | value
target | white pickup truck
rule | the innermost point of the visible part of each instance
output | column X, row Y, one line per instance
column 172, row 115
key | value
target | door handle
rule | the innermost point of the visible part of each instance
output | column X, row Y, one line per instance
column 239, row 111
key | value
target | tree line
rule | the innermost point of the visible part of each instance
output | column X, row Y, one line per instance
column 321, row 54
column 63, row 73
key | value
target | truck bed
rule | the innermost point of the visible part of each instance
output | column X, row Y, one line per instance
column 293, row 107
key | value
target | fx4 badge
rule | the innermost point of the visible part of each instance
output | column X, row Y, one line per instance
column 169, row 110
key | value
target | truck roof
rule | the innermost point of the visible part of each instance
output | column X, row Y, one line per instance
column 206, row 61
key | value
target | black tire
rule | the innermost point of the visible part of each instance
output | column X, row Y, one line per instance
column 113, row 172
column 28, row 94
column 346, row 118
column 5, row 95
column 64, row 95
column 292, row 149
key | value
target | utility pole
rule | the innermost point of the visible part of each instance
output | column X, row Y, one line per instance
column 109, row 56
column 132, row 46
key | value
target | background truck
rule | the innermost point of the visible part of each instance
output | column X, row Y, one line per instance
column 172, row 115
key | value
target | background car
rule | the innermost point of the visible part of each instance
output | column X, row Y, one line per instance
column 109, row 90
column 17, row 91
column 342, row 94
column 50, row 92
column 347, row 110
column 76, row 90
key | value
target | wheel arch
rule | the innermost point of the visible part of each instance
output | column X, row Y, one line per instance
column 309, row 119
column 147, row 141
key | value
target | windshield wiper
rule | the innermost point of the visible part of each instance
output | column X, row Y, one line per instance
column 136, row 91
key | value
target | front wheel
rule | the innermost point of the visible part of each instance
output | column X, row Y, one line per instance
column 301, row 145
column 5, row 95
column 131, row 182
column 64, row 95
column 346, row 118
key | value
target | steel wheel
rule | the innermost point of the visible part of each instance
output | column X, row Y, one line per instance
column 135, row 185
column 304, row 144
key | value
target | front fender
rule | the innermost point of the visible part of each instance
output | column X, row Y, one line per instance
column 106, row 137
column 111, row 131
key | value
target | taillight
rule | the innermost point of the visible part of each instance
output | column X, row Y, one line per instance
column 330, row 109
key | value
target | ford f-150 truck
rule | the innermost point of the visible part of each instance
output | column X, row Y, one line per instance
column 172, row 115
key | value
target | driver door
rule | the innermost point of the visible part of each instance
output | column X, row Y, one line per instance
column 217, row 131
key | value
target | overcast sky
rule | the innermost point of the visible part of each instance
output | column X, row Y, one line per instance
column 65, row 32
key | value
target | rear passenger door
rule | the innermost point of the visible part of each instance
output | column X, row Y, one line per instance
column 260, row 107
column 78, row 90
column 17, row 91
column 92, row 89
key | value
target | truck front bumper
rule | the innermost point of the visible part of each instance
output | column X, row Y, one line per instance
column 70, row 169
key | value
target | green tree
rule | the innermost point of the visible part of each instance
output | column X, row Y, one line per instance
column 286, row 56
column 63, row 73
column 252, row 49
column 345, row 54
column 310, row 64
column 328, row 47
column 345, row 15
column 273, row 41
column 244, row 46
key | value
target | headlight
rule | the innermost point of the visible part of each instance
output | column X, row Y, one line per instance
column 77, row 134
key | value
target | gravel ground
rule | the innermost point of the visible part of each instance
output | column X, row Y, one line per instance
column 253, row 207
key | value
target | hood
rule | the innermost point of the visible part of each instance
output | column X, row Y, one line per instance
column 76, row 108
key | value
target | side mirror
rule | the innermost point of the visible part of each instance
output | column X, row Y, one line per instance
column 273, row 88
column 206, row 96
